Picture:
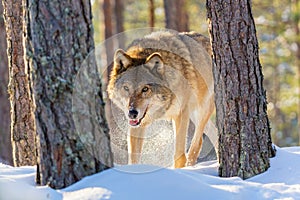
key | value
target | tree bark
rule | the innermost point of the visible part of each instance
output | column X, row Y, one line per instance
column 21, row 105
column 241, row 107
column 5, row 143
column 119, row 14
column 72, row 134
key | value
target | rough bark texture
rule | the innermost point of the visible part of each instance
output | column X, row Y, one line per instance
column 5, row 144
column 21, row 105
column 119, row 14
column 176, row 15
column 59, row 36
column 244, row 133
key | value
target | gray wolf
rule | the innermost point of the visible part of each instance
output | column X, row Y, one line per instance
column 164, row 75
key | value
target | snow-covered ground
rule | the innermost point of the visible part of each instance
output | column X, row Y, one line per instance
column 281, row 181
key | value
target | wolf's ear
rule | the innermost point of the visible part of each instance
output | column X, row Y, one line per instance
column 155, row 62
column 121, row 61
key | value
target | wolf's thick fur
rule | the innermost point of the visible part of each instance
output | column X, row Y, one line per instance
column 164, row 75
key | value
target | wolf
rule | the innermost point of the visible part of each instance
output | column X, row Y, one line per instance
column 164, row 75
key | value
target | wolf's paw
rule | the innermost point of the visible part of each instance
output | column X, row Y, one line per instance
column 190, row 162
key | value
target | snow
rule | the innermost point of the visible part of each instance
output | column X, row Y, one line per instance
column 281, row 181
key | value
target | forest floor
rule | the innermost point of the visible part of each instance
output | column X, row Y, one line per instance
column 281, row 181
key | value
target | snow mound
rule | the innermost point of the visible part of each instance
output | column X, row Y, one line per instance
column 281, row 181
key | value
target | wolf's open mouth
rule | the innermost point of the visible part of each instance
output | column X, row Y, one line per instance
column 136, row 122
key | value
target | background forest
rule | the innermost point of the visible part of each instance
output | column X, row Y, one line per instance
column 278, row 30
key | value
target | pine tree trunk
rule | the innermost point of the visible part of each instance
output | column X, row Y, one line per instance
column 151, row 13
column 108, row 31
column 119, row 14
column 109, row 50
column 5, row 144
column 182, row 16
column 176, row 15
column 241, row 108
column 73, row 139
column 170, row 13
column 21, row 105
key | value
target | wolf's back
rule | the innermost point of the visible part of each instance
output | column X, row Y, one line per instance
column 185, row 44
column 192, row 47
column 203, row 40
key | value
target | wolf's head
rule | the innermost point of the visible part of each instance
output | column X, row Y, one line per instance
column 138, row 86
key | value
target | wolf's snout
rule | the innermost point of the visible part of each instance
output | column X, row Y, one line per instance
column 133, row 113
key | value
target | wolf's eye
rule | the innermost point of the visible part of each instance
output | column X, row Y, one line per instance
column 126, row 88
column 145, row 89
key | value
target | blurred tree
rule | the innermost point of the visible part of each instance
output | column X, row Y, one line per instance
column 176, row 15
column 5, row 143
column 72, row 141
column 109, row 45
column 22, row 117
column 151, row 13
column 119, row 14
column 244, row 134
column 171, row 14
column 136, row 16
column 182, row 15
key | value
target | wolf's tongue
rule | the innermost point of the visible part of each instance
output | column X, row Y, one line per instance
column 133, row 122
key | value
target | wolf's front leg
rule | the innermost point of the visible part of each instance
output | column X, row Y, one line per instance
column 181, row 128
column 135, row 144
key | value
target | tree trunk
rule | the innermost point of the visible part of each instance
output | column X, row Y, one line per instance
column 107, row 10
column 119, row 14
column 241, row 108
column 151, row 13
column 72, row 134
column 21, row 105
column 170, row 14
column 109, row 51
column 5, row 143
column 182, row 16
column 176, row 15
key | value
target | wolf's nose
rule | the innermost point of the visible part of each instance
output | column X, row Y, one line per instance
column 133, row 113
